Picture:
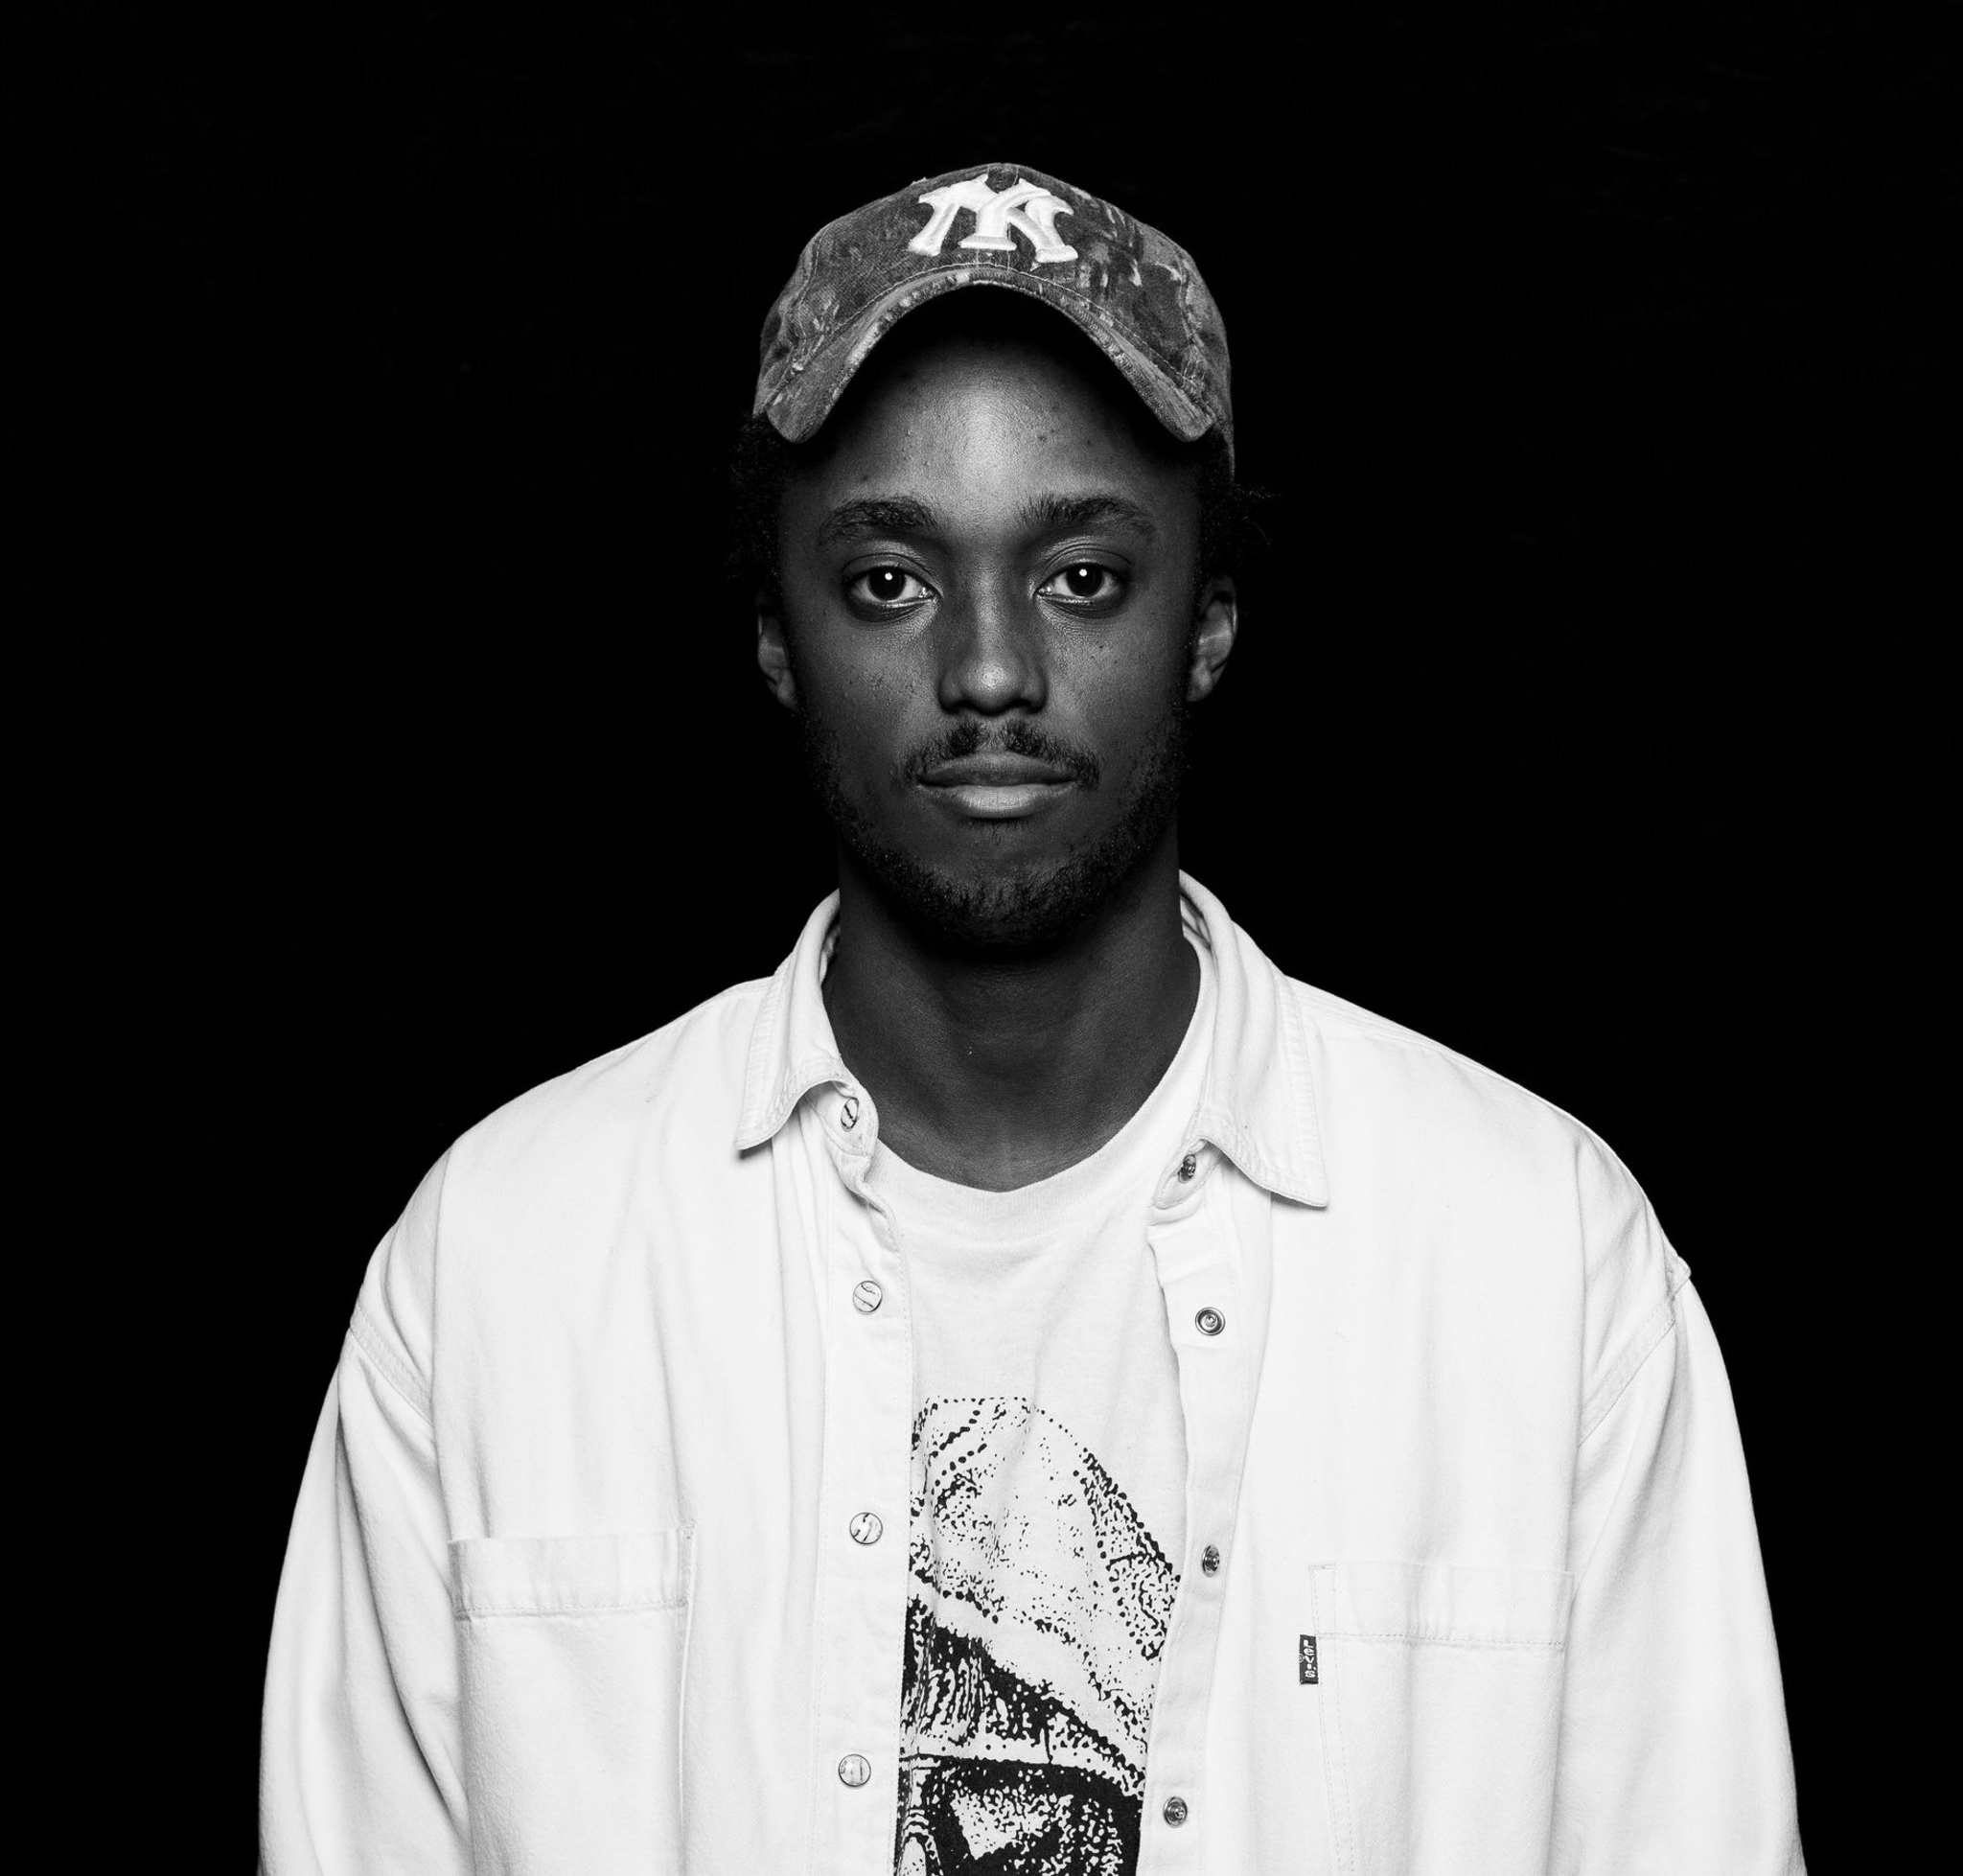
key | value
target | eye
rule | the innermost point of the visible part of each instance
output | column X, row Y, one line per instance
column 1084, row 582
column 888, row 586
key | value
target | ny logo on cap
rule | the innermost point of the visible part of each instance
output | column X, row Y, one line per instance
column 1026, row 207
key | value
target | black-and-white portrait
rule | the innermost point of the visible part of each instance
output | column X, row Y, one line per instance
column 989, row 906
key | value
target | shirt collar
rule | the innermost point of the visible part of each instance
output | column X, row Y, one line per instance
column 792, row 1049
column 1257, row 1104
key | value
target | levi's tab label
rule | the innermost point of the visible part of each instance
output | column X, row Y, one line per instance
column 1305, row 1659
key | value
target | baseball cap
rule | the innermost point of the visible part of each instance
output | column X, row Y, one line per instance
column 1135, row 293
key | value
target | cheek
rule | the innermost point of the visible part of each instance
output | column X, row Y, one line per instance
column 860, row 685
column 1124, row 687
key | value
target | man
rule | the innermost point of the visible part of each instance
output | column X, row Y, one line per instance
column 1028, row 1388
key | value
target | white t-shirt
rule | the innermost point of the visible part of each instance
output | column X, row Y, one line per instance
column 1049, row 1491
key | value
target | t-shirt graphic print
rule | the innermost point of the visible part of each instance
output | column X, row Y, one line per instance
column 1038, row 1609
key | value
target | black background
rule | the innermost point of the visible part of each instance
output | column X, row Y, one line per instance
column 1591, row 354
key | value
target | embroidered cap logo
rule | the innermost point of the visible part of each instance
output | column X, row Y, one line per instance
column 1026, row 207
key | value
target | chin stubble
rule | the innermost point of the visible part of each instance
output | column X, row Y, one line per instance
column 1020, row 907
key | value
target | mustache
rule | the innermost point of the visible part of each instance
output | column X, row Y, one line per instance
column 1011, row 738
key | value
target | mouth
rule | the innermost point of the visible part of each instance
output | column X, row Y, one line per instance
column 997, row 786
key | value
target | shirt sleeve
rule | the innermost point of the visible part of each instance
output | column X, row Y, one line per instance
column 361, row 1755
column 1673, row 1754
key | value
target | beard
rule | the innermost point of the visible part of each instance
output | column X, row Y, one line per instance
column 1017, row 907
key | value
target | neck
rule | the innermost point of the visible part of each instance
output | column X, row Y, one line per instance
column 997, row 1072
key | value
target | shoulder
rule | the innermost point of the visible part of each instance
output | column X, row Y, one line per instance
column 545, row 1176
column 1414, row 1123
column 686, row 1075
column 1385, row 1073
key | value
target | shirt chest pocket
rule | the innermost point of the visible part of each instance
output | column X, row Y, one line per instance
column 574, row 1652
column 1440, row 1687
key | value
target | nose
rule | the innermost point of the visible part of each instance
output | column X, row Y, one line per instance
column 992, row 655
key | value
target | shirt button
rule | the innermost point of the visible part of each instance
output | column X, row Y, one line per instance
column 1210, row 1559
column 1188, row 1165
column 1210, row 1322
column 1176, row 1811
column 849, row 1113
column 865, row 1528
column 866, row 1296
column 853, row 1770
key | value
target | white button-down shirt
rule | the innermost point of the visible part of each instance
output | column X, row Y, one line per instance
column 572, row 1585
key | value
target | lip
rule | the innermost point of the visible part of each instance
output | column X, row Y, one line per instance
column 998, row 786
column 999, row 801
column 993, row 769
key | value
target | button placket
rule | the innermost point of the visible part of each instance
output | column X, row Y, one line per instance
column 860, row 1587
column 1198, row 1273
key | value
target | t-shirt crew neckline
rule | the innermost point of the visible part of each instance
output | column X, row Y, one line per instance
column 1023, row 1219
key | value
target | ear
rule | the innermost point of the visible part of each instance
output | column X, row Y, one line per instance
column 774, row 651
column 1213, row 634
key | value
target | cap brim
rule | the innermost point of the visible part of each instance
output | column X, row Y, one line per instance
column 799, row 410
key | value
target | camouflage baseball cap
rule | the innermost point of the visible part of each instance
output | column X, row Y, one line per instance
column 1135, row 293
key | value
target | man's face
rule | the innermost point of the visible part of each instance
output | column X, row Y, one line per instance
column 990, row 631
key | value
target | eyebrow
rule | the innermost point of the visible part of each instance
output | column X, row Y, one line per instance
column 1047, row 514
column 1057, row 514
column 887, row 513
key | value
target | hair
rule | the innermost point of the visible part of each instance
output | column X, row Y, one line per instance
column 761, row 463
